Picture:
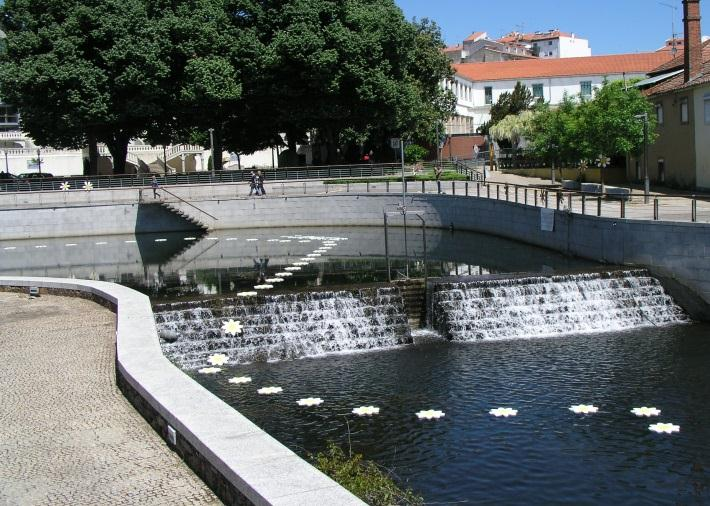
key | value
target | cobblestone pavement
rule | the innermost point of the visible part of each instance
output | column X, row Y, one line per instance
column 67, row 434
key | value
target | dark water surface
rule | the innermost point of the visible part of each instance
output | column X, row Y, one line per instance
column 545, row 455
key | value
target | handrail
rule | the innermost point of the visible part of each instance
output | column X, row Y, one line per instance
column 188, row 203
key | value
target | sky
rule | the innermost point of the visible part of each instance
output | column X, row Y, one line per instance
column 612, row 26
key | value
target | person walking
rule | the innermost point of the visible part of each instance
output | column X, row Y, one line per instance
column 253, row 184
column 260, row 182
column 437, row 174
column 154, row 186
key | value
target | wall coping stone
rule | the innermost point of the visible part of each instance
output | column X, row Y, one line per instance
column 263, row 470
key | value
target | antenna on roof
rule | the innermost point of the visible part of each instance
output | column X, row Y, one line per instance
column 674, row 9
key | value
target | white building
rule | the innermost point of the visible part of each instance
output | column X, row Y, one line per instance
column 477, row 86
column 551, row 44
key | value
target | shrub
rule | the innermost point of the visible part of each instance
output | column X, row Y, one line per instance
column 414, row 153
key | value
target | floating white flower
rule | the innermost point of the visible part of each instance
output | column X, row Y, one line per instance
column 302, row 263
column 232, row 327
column 270, row 390
column 88, row 186
column 240, row 380
column 310, row 401
column 218, row 359
column 504, row 412
column 647, row 412
column 583, row 409
column 430, row 414
column 292, row 269
column 64, row 186
column 275, row 280
column 304, row 241
column 366, row 411
column 284, row 274
column 263, row 287
column 313, row 255
column 252, row 240
column 247, row 294
column 210, row 370
column 287, row 240
column 664, row 428
column 273, row 240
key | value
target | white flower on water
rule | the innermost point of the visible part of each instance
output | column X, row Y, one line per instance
column 504, row 412
column 303, row 262
column 263, row 287
column 273, row 240
column 664, row 428
column 287, row 240
column 88, row 186
column 275, row 280
column 270, row 390
column 210, row 370
column 232, row 327
column 64, row 186
column 366, row 411
column 218, row 359
column 430, row 414
column 252, row 240
column 247, row 294
column 284, row 274
column 292, row 269
column 583, row 409
column 240, row 380
column 313, row 255
column 603, row 161
column 310, row 401
column 647, row 412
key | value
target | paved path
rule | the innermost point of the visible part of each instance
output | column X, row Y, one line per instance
column 67, row 434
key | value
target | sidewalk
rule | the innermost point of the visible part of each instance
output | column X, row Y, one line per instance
column 67, row 434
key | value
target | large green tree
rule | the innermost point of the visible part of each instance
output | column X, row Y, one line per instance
column 84, row 70
column 509, row 103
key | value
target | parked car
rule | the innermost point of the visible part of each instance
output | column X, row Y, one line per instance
column 35, row 175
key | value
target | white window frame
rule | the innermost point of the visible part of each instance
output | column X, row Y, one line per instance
column 581, row 89
column 684, row 111
column 659, row 114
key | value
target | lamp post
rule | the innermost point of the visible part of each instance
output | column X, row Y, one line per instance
column 553, row 148
column 165, row 159
column 39, row 160
column 212, row 149
column 7, row 165
column 646, row 184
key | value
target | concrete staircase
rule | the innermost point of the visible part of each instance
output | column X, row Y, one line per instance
column 177, row 211
column 414, row 295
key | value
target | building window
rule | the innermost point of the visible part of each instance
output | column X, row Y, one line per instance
column 549, row 43
column 684, row 110
column 538, row 92
column 707, row 108
column 659, row 114
column 586, row 89
column 8, row 114
column 489, row 94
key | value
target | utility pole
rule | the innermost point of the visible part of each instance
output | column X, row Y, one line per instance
column 39, row 160
column 404, row 185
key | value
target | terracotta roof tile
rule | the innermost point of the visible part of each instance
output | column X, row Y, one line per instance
column 561, row 67
column 678, row 82
column 474, row 36
column 532, row 37
column 451, row 49
column 679, row 60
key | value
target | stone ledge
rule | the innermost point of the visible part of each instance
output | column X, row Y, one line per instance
column 241, row 463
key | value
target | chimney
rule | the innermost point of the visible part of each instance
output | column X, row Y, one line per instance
column 692, row 42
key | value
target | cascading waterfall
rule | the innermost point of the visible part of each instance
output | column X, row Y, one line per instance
column 547, row 306
column 283, row 327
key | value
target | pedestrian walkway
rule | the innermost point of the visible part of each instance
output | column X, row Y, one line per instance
column 67, row 434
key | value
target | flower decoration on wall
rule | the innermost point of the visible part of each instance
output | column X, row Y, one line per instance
column 270, row 390
column 310, row 401
column 240, row 380
column 647, row 412
column 430, row 414
column 232, row 327
column 210, row 370
column 664, row 428
column 504, row 412
column 366, row 411
column 583, row 409
column 88, row 186
column 218, row 359
column 64, row 186
column 603, row 161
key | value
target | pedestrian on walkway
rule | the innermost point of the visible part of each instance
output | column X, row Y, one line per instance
column 260, row 182
column 154, row 185
column 437, row 173
column 253, row 184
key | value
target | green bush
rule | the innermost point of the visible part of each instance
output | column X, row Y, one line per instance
column 414, row 153
column 363, row 478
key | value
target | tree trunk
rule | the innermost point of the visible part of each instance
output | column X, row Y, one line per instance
column 217, row 149
column 93, row 155
column 118, row 147
column 330, row 145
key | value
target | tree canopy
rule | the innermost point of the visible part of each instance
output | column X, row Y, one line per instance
column 169, row 70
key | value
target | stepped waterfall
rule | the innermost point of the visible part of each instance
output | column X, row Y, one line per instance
column 547, row 306
column 284, row 327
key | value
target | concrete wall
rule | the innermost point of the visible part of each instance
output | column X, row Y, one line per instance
column 677, row 250
column 701, row 101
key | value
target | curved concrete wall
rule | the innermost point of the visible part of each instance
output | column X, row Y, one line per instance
column 238, row 460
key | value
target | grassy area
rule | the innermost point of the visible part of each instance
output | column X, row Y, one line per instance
column 422, row 176
column 363, row 478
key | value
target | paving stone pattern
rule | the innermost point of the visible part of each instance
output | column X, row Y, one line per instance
column 67, row 434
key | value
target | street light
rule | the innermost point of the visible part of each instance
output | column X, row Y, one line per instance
column 646, row 185
column 7, row 166
column 39, row 160
column 212, row 149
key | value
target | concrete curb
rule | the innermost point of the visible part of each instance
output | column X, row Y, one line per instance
column 238, row 460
